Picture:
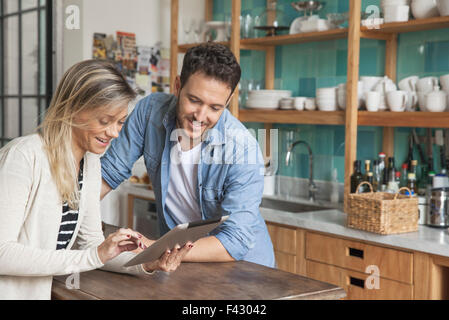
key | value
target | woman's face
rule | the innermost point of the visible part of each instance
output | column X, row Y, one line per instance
column 96, row 128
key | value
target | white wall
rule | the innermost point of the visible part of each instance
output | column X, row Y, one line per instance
column 142, row 17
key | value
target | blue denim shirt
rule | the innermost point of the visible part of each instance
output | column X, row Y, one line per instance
column 230, row 174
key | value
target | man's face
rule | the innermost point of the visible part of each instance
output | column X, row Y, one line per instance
column 201, row 102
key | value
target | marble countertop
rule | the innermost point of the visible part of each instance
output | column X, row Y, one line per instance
column 333, row 221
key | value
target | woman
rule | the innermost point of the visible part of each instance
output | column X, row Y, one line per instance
column 50, row 189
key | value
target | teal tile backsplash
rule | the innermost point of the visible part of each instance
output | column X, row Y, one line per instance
column 304, row 67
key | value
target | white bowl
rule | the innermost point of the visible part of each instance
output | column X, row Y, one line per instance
column 444, row 81
column 258, row 105
column 443, row 7
column 423, row 9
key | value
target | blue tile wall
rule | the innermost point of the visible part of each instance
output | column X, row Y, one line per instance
column 304, row 67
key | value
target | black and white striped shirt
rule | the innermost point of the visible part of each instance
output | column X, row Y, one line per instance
column 69, row 218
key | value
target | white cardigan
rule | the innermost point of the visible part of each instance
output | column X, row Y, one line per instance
column 30, row 217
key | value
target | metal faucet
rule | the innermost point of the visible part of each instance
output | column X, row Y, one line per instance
column 312, row 186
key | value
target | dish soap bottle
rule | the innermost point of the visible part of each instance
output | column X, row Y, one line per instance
column 334, row 189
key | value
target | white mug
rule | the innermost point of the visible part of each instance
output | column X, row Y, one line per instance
column 372, row 101
column 444, row 80
column 397, row 100
column 412, row 101
column 310, row 104
column 300, row 103
column 408, row 84
column 422, row 101
column 427, row 84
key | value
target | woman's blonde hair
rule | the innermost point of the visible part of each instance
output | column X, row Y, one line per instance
column 87, row 85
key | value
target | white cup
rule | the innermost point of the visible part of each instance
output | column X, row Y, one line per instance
column 427, row 84
column 412, row 101
column 372, row 101
column 408, row 84
column 310, row 104
column 444, row 80
column 422, row 101
column 397, row 100
column 300, row 103
column 396, row 13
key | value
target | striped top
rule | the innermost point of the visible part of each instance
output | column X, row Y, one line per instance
column 69, row 218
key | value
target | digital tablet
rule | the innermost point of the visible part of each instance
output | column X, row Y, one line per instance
column 181, row 234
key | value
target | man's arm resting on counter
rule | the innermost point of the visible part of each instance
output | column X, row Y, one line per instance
column 208, row 249
column 105, row 189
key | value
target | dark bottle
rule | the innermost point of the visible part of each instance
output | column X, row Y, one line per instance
column 369, row 179
column 391, row 170
column 356, row 177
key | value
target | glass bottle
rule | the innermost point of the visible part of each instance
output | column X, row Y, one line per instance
column 377, row 178
column 382, row 171
column 391, row 170
column 370, row 179
column 356, row 177
column 404, row 173
column 367, row 170
column 414, row 167
column 412, row 184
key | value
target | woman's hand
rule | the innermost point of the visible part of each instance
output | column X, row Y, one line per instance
column 170, row 260
column 118, row 242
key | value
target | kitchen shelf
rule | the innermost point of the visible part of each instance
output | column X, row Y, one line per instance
column 292, row 116
column 365, row 118
column 410, row 26
column 404, row 119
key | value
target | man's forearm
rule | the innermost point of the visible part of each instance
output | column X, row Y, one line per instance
column 208, row 249
column 105, row 189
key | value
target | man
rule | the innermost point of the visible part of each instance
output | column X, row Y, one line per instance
column 202, row 161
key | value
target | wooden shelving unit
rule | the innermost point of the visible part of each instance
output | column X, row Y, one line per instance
column 351, row 118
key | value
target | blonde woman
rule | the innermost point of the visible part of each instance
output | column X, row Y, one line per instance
column 50, row 189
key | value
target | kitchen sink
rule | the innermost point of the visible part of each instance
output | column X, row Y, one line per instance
column 289, row 206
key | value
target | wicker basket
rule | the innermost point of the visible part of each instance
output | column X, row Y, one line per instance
column 382, row 212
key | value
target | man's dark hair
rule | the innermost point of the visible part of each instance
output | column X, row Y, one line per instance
column 214, row 60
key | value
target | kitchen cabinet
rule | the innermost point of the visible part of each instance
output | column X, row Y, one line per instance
column 351, row 118
column 364, row 270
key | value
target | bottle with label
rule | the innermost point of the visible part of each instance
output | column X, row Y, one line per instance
column 404, row 173
column 356, row 177
column 382, row 171
column 369, row 180
column 414, row 167
column 366, row 188
column 391, row 176
column 398, row 178
column 412, row 184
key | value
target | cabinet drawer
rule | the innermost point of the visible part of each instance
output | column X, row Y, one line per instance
column 392, row 264
column 283, row 238
column 355, row 284
column 285, row 261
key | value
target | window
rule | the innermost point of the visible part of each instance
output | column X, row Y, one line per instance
column 25, row 65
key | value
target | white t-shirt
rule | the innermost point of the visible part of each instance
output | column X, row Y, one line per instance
column 182, row 198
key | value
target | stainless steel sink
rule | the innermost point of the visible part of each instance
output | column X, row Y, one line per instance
column 289, row 206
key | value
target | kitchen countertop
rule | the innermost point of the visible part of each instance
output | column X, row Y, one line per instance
column 239, row 280
column 333, row 221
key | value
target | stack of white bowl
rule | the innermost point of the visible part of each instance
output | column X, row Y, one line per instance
column 444, row 82
column 266, row 99
column 423, row 9
column 326, row 99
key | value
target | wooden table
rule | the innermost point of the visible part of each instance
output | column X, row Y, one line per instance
column 199, row 281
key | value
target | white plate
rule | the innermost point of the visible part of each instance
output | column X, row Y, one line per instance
column 261, row 106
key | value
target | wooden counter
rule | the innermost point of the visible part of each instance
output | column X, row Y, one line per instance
column 199, row 281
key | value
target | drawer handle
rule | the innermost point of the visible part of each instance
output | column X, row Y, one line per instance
column 357, row 282
column 356, row 253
